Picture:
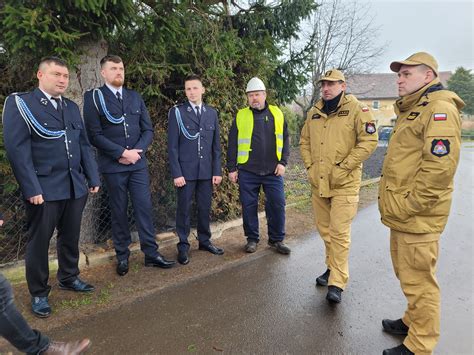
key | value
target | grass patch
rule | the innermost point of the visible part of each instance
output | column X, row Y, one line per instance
column 76, row 303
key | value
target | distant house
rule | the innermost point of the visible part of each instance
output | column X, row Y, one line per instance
column 379, row 92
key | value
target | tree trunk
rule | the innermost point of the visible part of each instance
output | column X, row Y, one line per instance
column 87, row 73
column 85, row 77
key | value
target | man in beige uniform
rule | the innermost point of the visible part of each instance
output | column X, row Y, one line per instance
column 338, row 135
column 415, row 194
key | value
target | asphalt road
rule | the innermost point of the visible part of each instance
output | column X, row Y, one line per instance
column 270, row 305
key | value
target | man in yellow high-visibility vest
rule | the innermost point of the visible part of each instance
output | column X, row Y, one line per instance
column 256, row 157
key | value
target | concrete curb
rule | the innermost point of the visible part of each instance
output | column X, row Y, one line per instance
column 16, row 272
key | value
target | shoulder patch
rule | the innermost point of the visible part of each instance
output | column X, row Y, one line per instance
column 370, row 127
column 413, row 115
column 343, row 113
column 440, row 117
column 440, row 147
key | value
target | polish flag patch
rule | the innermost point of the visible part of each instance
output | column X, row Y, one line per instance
column 440, row 117
column 365, row 109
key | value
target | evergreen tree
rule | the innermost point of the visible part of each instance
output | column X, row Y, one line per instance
column 462, row 83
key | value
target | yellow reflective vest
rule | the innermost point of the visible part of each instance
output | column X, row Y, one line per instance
column 244, row 122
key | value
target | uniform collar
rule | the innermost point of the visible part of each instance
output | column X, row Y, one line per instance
column 114, row 89
column 405, row 103
column 194, row 106
column 50, row 98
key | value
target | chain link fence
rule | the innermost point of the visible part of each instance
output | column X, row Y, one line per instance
column 95, row 228
column 96, row 222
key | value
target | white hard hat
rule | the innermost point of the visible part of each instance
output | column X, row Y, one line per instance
column 255, row 84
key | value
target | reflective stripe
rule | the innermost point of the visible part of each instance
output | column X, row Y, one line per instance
column 279, row 136
column 242, row 153
column 279, row 149
column 244, row 141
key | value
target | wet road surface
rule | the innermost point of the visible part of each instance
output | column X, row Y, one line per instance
column 269, row 304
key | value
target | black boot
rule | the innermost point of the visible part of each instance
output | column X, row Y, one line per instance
column 395, row 327
column 398, row 350
column 334, row 294
column 322, row 280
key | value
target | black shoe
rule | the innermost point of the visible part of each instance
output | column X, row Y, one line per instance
column 211, row 249
column 40, row 307
column 159, row 261
column 334, row 294
column 77, row 285
column 323, row 279
column 398, row 350
column 395, row 327
column 122, row 267
column 280, row 247
column 251, row 246
column 183, row 257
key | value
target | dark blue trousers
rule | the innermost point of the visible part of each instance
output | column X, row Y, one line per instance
column 66, row 217
column 202, row 190
column 14, row 327
column 249, row 186
column 137, row 183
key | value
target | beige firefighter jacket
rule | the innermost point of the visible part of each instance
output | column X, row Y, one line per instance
column 333, row 147
column 422, row 156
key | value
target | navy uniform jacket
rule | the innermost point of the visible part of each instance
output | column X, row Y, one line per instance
column 43, row 166
column 110, row 139
column 185, row 159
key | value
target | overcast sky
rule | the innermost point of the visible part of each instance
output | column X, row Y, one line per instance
column 442, row 28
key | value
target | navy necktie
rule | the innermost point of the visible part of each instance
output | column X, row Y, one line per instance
column 198, row 112
column 119, row 97
column 59, row 106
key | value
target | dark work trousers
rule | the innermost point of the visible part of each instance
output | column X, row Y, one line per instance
column 14, row 327
column 137, row 183
column 202, row 189
column 249, row 187
column 65, row 216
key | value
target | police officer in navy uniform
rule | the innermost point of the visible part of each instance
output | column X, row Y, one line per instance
column 54, row 165
column 195, row 159
column 119, row 126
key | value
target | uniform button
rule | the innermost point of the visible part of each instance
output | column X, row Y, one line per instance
column 124, row 114
column 70, row 141
column 320, row 194
column 128, row 147
column 321, row 177
column 70, row 155
column 200, row 129
column 45, row 124
column 321, row 160
column 128, row 135
column 70, row 169
column 324, row 126
column 378, row 197
column 381, row 175
column 321, row 143
column 201, row 156
column 127, row 124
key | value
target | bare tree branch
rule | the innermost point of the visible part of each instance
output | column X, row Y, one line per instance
column 344, row 37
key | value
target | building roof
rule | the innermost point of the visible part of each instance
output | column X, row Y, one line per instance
column 380, row 86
